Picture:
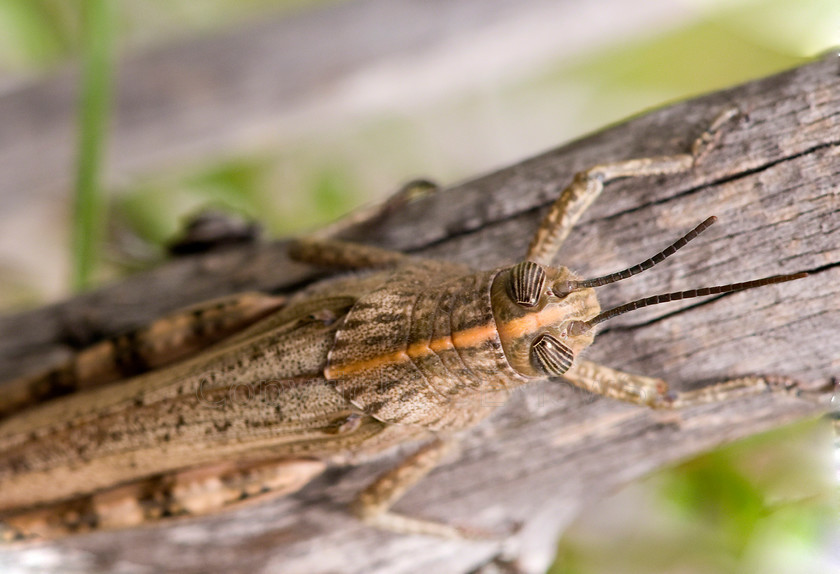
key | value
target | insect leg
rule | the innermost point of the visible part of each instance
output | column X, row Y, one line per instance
column 728, row 390
column 373, row 504
column 184, row 494
column 588, row 185
column 162, row 342
column 211, row 230
column 615, row 384
column 343, row 254
column 654, row 392
column 409, row 192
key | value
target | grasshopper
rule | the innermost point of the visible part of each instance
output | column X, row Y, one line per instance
column 251, row 396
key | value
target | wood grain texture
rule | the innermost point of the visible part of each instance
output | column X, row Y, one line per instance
column 772, row 181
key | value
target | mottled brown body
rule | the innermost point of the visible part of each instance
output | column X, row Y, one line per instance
column 333, row 377
column 181, row 417
column 161, row 343
column 410, row 349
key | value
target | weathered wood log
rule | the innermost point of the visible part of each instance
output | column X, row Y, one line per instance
column 771, row 181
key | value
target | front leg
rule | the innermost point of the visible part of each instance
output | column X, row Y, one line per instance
column 588, row 185
column 654, row 393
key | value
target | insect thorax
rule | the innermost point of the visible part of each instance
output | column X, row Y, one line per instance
column 424, row 350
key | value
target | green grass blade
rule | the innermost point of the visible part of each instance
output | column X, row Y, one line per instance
column 93, row 122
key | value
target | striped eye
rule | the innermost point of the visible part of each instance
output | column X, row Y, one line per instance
column 550, row 355
column 527, row 280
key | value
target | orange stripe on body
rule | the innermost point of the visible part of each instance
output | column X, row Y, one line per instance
column 521, row 326
column 471, row 337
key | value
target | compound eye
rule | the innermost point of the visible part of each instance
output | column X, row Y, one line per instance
column 527, row 280
column 550, row 355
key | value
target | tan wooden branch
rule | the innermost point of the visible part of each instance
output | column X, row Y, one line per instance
column 773, row 182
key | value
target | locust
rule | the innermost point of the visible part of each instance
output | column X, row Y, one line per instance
column 250, row 396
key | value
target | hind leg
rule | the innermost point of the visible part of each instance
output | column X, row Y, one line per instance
column 191, row 493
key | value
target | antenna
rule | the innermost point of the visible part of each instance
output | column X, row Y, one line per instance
column 563, row 288
column 580, row 327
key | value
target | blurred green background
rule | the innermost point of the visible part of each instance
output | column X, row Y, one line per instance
column 767, row 505
column 742, row 509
